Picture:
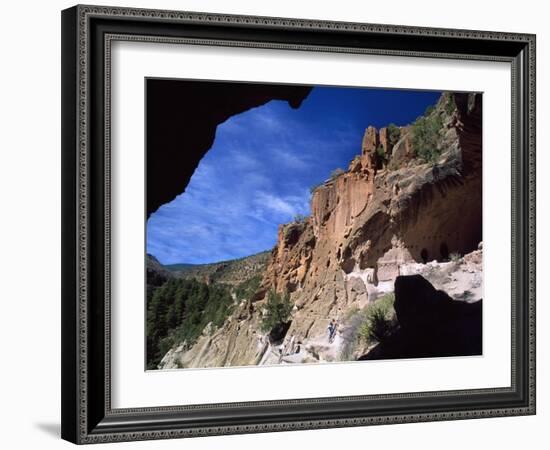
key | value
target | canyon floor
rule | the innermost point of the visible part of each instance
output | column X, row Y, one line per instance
column 391, row 252
column 461, row 279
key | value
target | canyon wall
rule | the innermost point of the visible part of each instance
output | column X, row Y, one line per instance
column 389, row 208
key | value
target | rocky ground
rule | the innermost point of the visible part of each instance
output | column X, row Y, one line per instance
column 391, row 213
column 461, row 279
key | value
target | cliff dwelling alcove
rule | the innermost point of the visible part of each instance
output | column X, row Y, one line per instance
column 424, row 255
column 444, row 251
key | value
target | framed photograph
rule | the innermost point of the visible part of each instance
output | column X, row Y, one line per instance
column 280, row 224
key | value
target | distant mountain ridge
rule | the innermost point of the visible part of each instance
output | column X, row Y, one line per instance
column 181, row 266
column 183, row 299
column 232, row 272
column 408, row 203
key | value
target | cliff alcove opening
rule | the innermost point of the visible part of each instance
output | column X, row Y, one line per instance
column 278, row 333
column 182, row 117
column 444, row 251
column 392, row 209
column 424, row 255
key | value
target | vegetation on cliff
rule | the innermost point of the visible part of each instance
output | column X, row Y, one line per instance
column 394, row 134
column 183, row 301
column 179, row 310
column 380, row 321
column 426, row 130
column 426, row 137
column 366, row 327
column 277, row 310
column 248, row 288
column 358, row 238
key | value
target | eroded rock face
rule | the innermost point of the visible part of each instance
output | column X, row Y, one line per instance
column 237, row 343
column 403, row 149
column 368, row 221
column 389, row 264
column 368, row 225
column 460, row 281
column 384, row 139
column 370, row 141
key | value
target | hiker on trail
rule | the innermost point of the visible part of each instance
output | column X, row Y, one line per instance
column 331, row 330
column 298, row 345
column 290, row 348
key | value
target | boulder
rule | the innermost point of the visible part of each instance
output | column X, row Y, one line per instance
column 431, row 324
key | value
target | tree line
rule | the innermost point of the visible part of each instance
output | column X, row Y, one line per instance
column 179, row 310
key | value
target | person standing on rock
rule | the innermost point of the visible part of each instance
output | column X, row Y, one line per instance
column 335, row 330
column 331, row 330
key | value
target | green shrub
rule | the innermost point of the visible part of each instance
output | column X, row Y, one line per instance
column 450, row 104
column 429, row 110
column 425, row 137
column 350, row 333
column 246, row 289
column 300, row 218
column 394, row 134
column 354, row 310
column 380, row 321
column 277, row 310
column 454, row 256
column 381, row 156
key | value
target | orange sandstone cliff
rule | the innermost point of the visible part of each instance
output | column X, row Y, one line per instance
column 389, row 208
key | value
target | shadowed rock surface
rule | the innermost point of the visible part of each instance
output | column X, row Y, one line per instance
column 182, row 117
column 391, row 213
column 431, row 324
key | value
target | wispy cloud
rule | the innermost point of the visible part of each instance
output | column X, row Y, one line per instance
column 256, row 176
column 287, row 206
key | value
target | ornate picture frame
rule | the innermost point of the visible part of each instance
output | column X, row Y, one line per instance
column 88, row 33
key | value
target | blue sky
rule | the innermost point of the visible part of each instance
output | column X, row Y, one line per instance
column 261, row 166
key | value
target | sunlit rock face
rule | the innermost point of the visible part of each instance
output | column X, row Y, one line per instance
column 388, row 213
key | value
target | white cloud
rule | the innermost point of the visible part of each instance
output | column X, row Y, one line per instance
column 287, row 206
column 290, row 159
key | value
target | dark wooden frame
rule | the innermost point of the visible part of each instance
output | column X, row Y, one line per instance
column 87, row 32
